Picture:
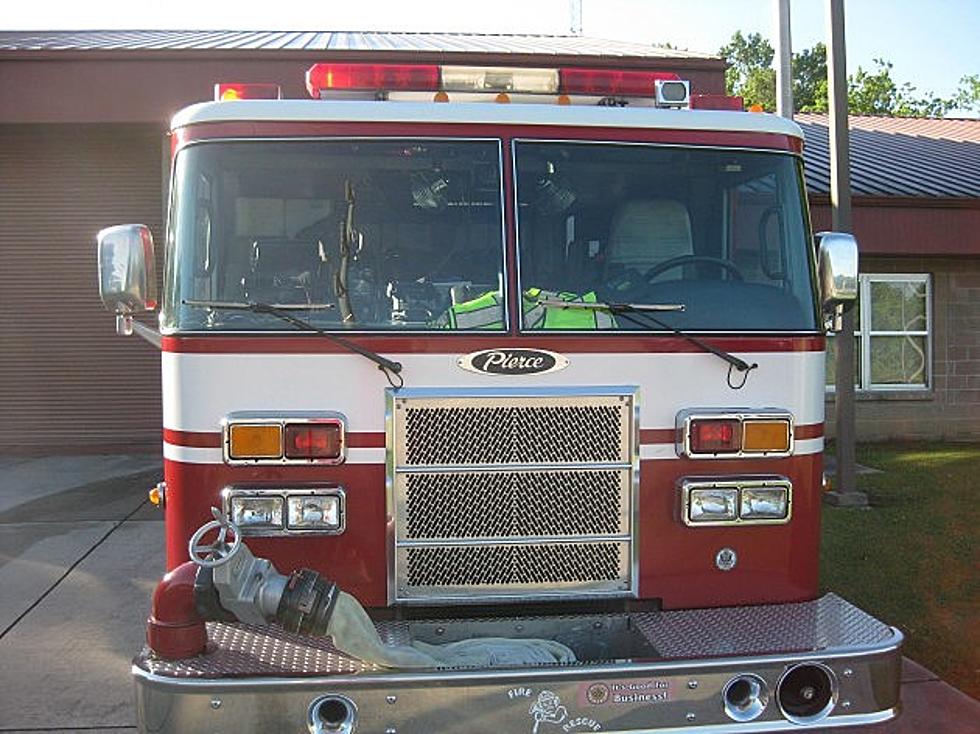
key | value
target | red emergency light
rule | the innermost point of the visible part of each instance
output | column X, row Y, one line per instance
column 375, row 77
column 717, row 102
column 605, row 82
column 232, row 92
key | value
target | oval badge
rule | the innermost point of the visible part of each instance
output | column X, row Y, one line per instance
column 512, row 361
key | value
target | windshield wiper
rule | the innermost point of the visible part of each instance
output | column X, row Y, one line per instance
column 390, row 368
column 639, row 313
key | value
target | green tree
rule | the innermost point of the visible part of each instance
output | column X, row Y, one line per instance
column 968, row 95
column 750, row 74
column 872, row 92
column 810, row 79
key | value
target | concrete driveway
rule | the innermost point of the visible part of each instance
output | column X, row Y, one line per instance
column 80, row 552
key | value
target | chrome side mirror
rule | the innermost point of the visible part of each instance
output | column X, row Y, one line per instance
column 127, row 279
column 837, row 266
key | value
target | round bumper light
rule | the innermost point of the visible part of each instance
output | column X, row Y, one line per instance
column 746, row 697
column 807, row 692
column 332, row 715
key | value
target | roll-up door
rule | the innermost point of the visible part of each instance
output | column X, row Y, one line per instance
column 67, row 382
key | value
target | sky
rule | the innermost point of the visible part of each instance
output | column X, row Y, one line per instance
column 932, row 43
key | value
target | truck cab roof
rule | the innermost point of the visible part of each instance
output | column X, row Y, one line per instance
column 522, row 114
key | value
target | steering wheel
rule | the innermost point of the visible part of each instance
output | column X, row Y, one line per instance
column 220, row 551
column 677, row 262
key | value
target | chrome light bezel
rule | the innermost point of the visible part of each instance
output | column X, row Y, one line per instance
column 228, row 493
column 282, row 419
column 689, row 484
column 686, row 417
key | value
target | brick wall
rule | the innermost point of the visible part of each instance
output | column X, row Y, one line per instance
column 950, row 409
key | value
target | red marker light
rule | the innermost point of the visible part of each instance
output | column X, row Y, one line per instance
column 379, row 77
column 721, row 436
column 605, row 82
column 314, row 441
column 717, row 102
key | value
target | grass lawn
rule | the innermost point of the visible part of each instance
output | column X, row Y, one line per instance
column 913, row 560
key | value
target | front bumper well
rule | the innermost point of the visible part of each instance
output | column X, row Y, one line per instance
column 639, row 672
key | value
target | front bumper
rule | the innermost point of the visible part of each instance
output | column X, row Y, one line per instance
column 649, row 671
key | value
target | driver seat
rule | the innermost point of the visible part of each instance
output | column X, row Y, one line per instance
column 647, row 232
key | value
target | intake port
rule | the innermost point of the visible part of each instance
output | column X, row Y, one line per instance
column 746, row 697
column 332, row 715
column 807, row 692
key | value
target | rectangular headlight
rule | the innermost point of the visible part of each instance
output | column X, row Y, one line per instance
column 315, row 512
column 256, row 512
column 733, row 500
column 716, row 504
column 764, row 503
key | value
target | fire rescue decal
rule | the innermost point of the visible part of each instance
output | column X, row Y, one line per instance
column 514, row 361
column 547, row 712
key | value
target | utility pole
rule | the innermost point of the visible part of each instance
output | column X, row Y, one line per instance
column 784, row 60
column 845, row 490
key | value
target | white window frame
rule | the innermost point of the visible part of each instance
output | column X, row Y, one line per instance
column 863, row 333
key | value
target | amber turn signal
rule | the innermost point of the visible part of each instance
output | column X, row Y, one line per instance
column 255, row 441
column 765, row 436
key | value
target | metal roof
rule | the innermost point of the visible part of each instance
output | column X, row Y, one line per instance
column 491, row 43
column 893, row 156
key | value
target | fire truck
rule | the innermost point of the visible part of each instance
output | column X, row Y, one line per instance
column 493, row 402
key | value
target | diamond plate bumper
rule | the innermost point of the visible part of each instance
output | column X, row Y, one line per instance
column 640, row 672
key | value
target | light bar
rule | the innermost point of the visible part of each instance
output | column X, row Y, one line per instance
column 321, row 78
column 499, row 79
column 712, row 501
column 612, row 82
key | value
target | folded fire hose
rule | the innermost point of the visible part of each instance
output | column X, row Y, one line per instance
column 251, row 590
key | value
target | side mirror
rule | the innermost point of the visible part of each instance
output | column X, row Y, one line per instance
column 837, row 268
column 127, row 279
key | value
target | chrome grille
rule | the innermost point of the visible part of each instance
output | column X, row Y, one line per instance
column 513, row 565
column 513, row 504
column 454, row 435
column 512, row 493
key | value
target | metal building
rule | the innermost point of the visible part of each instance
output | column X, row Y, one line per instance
column 83, row 119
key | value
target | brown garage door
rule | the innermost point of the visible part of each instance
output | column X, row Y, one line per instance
column 67, row 382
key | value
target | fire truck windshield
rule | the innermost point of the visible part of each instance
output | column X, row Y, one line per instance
column 393, row 233
column 722, row 232
column 383, row 234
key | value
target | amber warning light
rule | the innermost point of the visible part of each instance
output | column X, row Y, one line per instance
column 231, row 92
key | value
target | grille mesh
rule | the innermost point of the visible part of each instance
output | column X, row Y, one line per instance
column 513, row 565
column 515, row 504
column 500, row 493
column 452, row 436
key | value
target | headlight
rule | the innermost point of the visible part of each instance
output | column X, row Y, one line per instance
column 736, row 500
column 763, row 503
column 286, row 510
column 256, row 512
column 712, row 505
column 314, row 512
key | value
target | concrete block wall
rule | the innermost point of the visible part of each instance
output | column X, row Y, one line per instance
column 950, row 409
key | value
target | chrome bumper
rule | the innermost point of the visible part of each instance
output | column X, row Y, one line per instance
column 654, row 671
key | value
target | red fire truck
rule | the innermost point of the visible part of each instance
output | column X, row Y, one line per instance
column 493, row 402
